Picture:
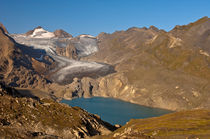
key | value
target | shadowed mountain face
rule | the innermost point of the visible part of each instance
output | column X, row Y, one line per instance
column 156, row 68
column 16, row 67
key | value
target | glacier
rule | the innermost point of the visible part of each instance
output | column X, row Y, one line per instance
column 66, row 68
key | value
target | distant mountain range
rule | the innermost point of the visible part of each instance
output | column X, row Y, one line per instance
column 146, row 66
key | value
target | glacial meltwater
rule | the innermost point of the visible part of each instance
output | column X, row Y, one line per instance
column 115, row 111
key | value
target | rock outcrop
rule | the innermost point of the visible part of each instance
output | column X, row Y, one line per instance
column 16, row 66
column 69, row 51
column 3, row 28
column 22, row 117
column 62, row 34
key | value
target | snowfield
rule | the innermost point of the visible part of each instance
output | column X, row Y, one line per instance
column 41, row 33
column 42, row 39
column 66, row 68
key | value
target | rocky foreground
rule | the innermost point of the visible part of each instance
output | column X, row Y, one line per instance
column 193, row 124
column 22, row 117
column 32, row 117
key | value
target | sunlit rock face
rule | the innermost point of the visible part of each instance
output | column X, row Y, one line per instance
column 157, row 68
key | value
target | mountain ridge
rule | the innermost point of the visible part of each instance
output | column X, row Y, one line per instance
column 156, row 69
column 57, row 33
column 146, row 66
column 151, row 67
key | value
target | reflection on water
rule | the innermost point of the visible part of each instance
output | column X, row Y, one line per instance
column 115, row 111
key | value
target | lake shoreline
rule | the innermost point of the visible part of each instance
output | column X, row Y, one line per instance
column 115, row 111
column 132, row 102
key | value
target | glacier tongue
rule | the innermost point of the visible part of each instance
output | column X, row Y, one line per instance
column 66, row 68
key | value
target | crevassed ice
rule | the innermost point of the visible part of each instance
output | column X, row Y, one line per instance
column 85, row 45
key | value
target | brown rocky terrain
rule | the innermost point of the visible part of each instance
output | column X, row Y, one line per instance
column 156, row 68
column 20, row 68
column 26, row 117
column 3, row 28
column 192, row 124
column 68, row 51
column 16, row 67
column 62, row 34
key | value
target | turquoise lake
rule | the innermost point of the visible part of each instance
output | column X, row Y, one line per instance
column 115, row 111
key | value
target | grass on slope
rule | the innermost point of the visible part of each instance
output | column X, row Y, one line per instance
column 194, row 122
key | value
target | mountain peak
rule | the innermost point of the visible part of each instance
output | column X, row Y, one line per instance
column 188, row 26
column 201, row 20
column 62, row 34
column 154, row 28
column 30, row 32
column 3, row 28
column 38, row 27
column 40, row 32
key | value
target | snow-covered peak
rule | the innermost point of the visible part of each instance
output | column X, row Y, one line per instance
column 41, row 33
column 86, row 36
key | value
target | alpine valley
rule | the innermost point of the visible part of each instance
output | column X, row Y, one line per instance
column 145, row 66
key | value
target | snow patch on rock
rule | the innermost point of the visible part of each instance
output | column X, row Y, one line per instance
column 41, row 33
column 87, row 36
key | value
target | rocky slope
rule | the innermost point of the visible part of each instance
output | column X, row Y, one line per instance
column 156, row 68
column 17, row 68
column 3, row 28
column 22, row 117
column 55, row 58
column 65, row 69
column 180, row 125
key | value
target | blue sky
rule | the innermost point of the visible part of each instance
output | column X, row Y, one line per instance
column 95, row 16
